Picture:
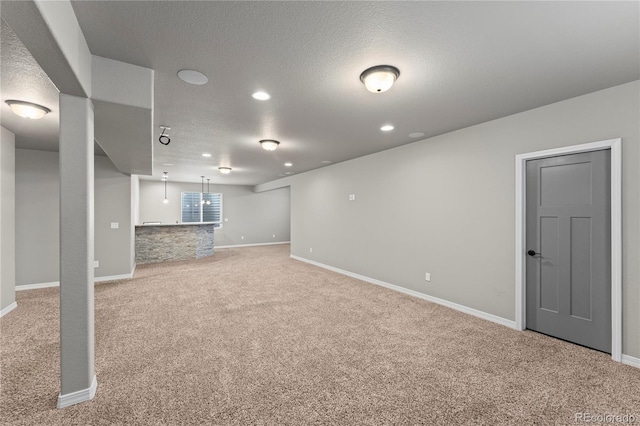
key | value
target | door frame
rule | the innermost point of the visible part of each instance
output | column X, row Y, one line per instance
column 615, row 145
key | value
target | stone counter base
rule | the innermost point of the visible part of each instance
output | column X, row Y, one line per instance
column 178, row 242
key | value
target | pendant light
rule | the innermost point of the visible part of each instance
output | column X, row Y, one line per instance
column 202, row 190
column 208, row 201
column 165, row 178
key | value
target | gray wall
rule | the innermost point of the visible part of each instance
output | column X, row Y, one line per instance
column 7, row 218
column 38, row 218
column 445, row 205
column 255, row 216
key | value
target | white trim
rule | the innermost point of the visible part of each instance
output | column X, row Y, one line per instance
column 615, row 145
column 251, row 245
column 630, row 360
column 37, row 286
column 78, row 396
column 461, row 308
column 8, row 309
column 117, row 277
column 96, row 280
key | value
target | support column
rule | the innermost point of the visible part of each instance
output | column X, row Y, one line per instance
column 77, row 375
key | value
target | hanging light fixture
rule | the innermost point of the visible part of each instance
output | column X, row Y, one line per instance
column 269, row 144
column 380, row 78
column 165, row 177
column 28, row 109
column 225, row 170
column 208, row 201
column 202, row 190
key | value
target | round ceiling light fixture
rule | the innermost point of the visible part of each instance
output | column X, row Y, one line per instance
column 261, row 96
column 288, row 164
column 206, row 154
column 387, row 128
column 28, row 109
column 193, row 77
column 269, row 144
column 164, row 139
column 225, row 170
column 380, row 78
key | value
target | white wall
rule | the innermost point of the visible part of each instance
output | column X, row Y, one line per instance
column 445, row 205
column 38, row 218
column 7, row 219
column 255, row 216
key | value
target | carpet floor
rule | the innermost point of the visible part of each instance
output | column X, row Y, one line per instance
column 252, row 337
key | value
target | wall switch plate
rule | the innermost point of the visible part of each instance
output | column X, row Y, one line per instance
column 427, row 276
column 115, row 225
column 242, row 238
column 352, row 197
column 96, row 263
column 274, row 235
column 226, row 219
column 310, row 250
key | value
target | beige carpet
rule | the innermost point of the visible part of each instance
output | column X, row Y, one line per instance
column 251, row 337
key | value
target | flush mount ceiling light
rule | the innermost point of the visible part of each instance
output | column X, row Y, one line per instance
column 28, row 109
column 269, row 144
column 164, row 139
column 387, row 128
column 225, row 170
column 380, row 78
column 206, row 154
column 261, row 96
column 288, row 164
column 193, row 77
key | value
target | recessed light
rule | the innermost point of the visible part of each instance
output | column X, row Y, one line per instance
column 387, row 128
column 28, row 109
column 416, row 135
column 225, row 170
column 326, row 162
column 206, row 154
column 193, row 77
column 261, row 96
column 288, row 164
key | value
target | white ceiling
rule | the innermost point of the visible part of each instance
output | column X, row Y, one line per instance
column 461, row 63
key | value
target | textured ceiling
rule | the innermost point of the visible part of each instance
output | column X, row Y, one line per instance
column 461, row 63
column 22, row 79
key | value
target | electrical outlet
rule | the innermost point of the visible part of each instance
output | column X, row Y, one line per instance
column 427, row 276
column 226, row 219
column 352, row 197
column 242, row 237
column 274, row 235
column 115, row 225
column 310, row 250
column 96, row 263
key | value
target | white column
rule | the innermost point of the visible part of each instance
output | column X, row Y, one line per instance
column 77, row 376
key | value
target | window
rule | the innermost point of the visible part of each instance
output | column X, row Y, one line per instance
column 194, row 210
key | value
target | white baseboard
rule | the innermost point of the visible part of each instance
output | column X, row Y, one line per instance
column 96, row 279
column 461, row 308
column 78, row 396
column 37, row 286
column 251, row 245
column 630, row 360
column 8, row 309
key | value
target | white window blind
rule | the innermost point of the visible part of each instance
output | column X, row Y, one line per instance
column 194, row 210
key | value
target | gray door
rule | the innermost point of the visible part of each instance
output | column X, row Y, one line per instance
column 569, row 248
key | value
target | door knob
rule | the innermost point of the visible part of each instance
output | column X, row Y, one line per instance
column 532, row 253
